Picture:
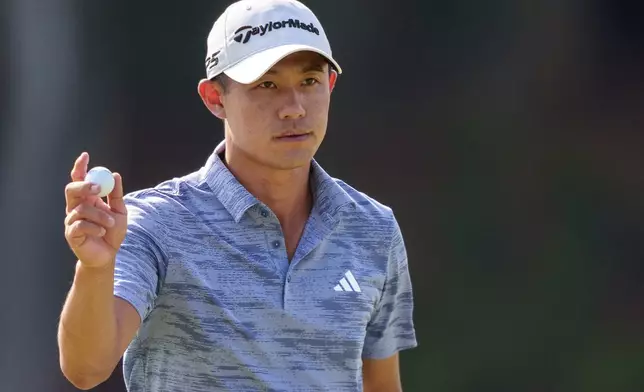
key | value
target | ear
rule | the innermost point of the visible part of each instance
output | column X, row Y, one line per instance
column 333, row 77
column 211, row 94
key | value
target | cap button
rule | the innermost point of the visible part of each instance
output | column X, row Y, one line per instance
column 248, row 7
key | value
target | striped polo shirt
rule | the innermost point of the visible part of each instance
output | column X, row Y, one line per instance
column 223, row 309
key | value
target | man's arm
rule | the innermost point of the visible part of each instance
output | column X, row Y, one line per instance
column 106, row 306
column 381, row 375
column 115, row 280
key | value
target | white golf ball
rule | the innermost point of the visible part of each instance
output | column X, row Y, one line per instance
column 103, row 177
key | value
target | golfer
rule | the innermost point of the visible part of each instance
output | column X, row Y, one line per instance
column 258, row 271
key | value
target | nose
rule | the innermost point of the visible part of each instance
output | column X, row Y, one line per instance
column 292, row 106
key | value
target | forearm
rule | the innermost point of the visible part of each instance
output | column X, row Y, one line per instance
column 87, row 334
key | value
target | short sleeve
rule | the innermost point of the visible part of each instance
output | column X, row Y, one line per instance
column 391, row 328
column 140, row 258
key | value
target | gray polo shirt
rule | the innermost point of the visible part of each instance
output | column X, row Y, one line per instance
column 205, row 266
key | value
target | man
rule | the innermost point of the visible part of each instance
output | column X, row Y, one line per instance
column 258, row 272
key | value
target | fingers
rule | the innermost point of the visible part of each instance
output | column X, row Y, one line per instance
column 78, row 231
column 102, row 205
column 115, row 198
column 90, row 214
column 78, row 191
column 79, row 171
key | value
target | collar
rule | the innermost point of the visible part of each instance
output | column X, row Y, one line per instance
column 329, row 198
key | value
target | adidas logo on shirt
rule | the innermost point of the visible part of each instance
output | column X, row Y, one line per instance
column 348, row 283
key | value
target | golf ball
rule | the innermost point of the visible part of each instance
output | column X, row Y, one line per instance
column 103, row 177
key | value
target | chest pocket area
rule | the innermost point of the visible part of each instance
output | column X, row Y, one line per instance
column 347, row 303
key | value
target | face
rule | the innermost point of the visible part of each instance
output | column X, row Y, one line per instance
column 280, row 120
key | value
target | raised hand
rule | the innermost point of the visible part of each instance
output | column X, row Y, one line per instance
column 94, row 229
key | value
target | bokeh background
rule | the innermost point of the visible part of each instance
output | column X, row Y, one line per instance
column 506, row 135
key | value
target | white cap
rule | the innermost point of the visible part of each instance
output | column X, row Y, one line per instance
column 253, row 35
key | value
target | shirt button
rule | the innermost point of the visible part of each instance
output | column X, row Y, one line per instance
column 276, row 244
column 264, row 213
column 288, row 279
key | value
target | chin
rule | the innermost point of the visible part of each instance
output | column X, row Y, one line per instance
column 289, row 156
column 290, row 161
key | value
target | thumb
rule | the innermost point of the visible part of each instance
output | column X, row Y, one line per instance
column 115, row 198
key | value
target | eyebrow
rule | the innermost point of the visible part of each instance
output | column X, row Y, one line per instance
column 317, row 67
column 313, row 67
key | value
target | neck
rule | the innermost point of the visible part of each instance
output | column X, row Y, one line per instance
column 285, row 192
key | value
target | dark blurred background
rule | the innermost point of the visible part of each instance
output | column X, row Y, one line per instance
column 506, row 135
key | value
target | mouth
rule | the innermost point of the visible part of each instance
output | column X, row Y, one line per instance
column 293, row 136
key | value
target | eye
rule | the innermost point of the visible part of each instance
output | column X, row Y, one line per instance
column 267, row 85
column 310, row 81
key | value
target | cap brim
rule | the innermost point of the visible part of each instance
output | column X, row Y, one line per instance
column 253, row 67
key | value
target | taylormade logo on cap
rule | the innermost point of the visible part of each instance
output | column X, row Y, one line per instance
column 244, row 33
column 253, row 35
